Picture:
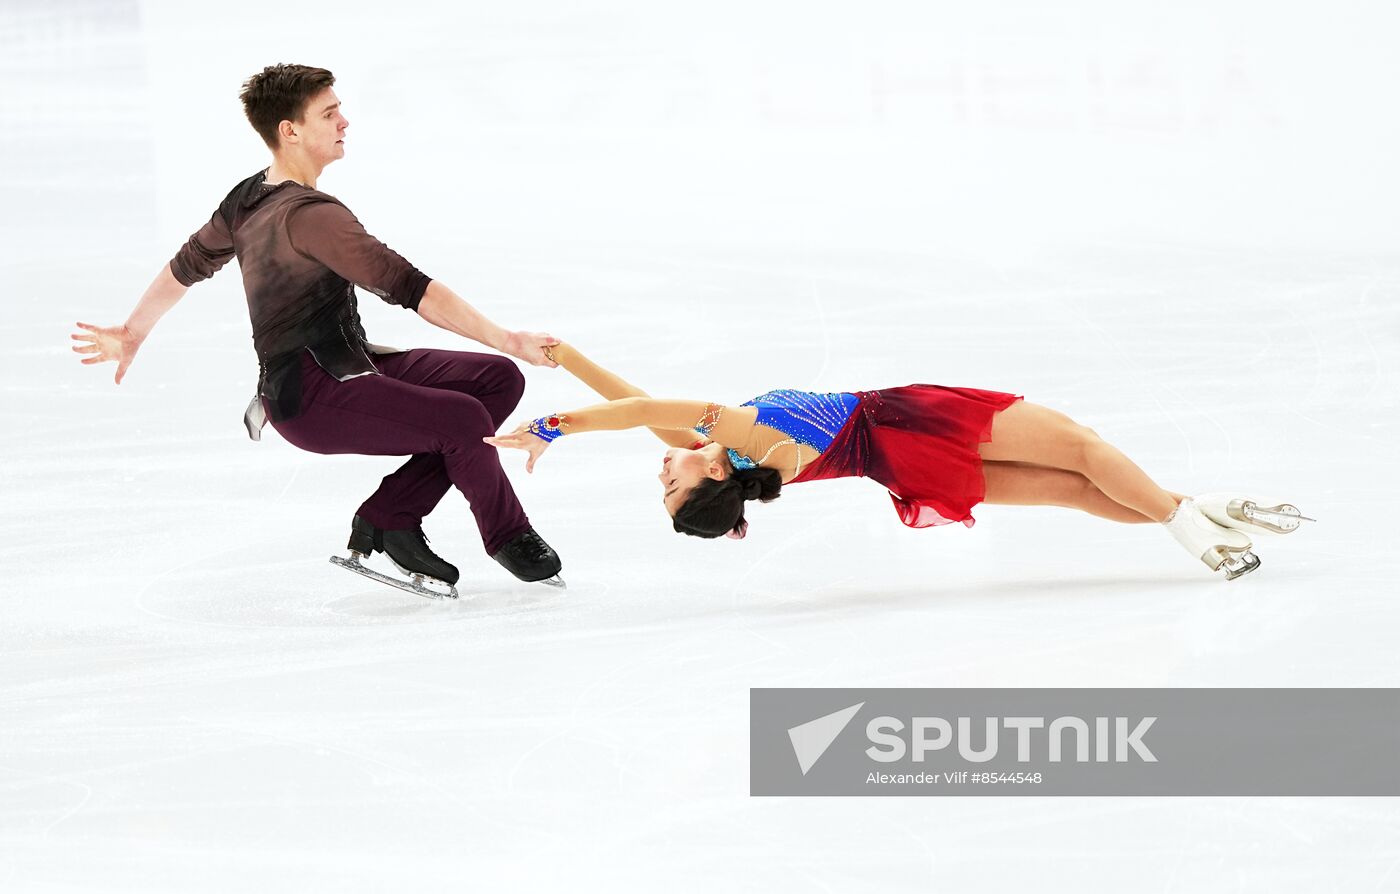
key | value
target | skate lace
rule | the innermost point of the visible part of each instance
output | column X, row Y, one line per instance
column 532, row 545
column 429, row 550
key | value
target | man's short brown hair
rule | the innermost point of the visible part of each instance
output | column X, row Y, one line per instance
column 279, row 93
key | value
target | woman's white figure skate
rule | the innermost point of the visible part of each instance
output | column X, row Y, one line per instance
column 1221, row 548
column 1248, row 516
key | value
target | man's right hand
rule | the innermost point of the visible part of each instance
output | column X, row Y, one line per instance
column 531, row 347
column 117, row 343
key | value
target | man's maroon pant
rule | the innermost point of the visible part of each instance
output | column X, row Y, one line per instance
column 435, row 405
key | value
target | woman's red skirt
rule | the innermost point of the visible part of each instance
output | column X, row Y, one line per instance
column 920, row 442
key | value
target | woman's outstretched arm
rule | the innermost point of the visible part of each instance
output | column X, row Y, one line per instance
column 731, row 429
column 611, row 386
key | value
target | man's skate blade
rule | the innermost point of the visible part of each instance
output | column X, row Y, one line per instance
column 418, row 589
column 556, row 581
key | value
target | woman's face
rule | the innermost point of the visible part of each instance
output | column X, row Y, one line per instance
column 682, row 469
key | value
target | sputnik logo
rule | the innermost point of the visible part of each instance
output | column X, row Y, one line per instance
column 810, row 740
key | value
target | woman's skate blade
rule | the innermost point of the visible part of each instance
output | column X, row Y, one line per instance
column 418, row 584
column 1220, row 548
column 1244, row 514
column 1234, row 564
column 1281, row 519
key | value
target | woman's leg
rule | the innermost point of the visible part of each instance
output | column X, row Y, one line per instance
column 1029, row 433
column 1023, row 484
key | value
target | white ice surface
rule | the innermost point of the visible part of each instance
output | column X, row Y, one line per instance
column 1176, row 223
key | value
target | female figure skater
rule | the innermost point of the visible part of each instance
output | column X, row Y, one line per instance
column 938, row 450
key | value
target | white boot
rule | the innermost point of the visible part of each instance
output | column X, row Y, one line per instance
column 1246, row 515
column 1213, row 544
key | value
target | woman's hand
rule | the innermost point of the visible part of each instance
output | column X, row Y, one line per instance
column 521, row 439
column 117, row 343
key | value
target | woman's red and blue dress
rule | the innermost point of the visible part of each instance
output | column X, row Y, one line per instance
column 919, row 441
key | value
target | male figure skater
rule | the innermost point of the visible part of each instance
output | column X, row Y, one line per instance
column 325, row 388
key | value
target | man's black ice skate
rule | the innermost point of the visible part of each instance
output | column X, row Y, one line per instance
column 409, row 552
column 532, row 560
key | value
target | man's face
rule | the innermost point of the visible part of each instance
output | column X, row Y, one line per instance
column 321, row 132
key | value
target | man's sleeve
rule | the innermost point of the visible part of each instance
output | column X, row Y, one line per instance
column 329, row 233
column 207, row 251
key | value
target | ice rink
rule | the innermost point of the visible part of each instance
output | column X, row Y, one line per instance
column 1175, row 222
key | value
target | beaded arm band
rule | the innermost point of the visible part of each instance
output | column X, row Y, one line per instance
column 708, row 419
column 547, row 428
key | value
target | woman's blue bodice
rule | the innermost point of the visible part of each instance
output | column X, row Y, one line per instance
column 806, row 417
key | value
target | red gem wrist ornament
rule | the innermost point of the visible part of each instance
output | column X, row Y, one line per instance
column 547, row 428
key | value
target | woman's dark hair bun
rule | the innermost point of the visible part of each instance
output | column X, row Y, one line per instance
column 714, row 508
column 758, row 484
